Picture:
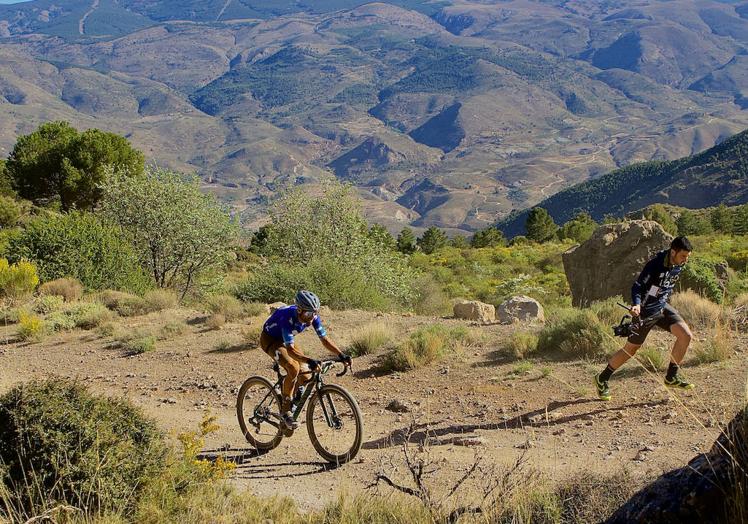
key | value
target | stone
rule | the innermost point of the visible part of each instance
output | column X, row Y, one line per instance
column 397, row 407
column 469, row 441
column 698, row 491
column 607, row 264
column 275, row 305
column 474, row 310
column 520, row 308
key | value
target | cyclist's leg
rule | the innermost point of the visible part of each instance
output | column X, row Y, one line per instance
column 291, row 366
column 673, row 322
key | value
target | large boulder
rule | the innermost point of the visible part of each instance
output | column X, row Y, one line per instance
column 521, row 308
column 607, row 264
column 474, row 310
column 707, row 490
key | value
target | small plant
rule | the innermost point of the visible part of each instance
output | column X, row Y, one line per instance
column 141, row 344
column 171, row 329
column 68, row 288
column 251, row 335
column 215, row 321
column 369, row 339
column 546, row 371
column 31, row 327
column 653, row 358
column 107, row 329
column 160, row 299
column 230, row 307
column 520, row 344
column 223, row 345
column 522, row 368
column 194, row 441
column 48, row 304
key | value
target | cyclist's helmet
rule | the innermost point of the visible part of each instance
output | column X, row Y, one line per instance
column 307, row 301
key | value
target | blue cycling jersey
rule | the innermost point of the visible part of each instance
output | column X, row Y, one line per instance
column 284, row 323
column 655, row 284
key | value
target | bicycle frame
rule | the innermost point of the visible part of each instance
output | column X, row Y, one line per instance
column 332, row 421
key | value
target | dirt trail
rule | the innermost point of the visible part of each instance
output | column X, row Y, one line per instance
column 82, row 21
column 549, row 408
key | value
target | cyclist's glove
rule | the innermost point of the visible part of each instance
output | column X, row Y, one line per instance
column 346, row 359
column 313, row 364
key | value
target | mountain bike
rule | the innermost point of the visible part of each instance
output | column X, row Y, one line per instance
column 333, row 418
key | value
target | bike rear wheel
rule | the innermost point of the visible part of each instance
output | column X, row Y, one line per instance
column 257, row 405
column 334, row 423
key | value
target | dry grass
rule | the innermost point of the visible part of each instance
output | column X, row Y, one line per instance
column 370, row 338
column 251, row 335
column 125, row 304
column 424, row 346
column 520, row 344
column 718, row 347
column 697, row 310
column 230, row 307
column 160, row 299
column 215, row 321
column 68, row 288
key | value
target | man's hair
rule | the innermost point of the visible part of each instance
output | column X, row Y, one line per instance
column 681, row 244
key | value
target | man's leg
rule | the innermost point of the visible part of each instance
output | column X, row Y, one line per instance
column 616, row 361
column 683, row 338
column 291, row 366
column 622, row 356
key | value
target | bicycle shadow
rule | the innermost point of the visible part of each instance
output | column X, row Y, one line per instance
column 248, row 469
column 425, row 433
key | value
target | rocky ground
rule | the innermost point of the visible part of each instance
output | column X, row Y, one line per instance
column 476, row 402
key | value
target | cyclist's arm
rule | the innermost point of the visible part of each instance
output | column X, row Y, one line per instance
column 330, row 345
column 288, row 342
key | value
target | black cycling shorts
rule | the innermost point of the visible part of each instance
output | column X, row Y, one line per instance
column 664, row 319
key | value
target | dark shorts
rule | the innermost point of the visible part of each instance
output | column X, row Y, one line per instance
column 664, row 319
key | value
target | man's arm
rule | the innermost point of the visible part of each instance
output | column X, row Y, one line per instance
column 639, row 289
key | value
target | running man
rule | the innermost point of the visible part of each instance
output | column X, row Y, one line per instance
column 649, row 296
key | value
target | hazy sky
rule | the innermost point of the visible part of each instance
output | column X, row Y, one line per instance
column 11, row 1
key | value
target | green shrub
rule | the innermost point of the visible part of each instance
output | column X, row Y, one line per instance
column 575, row 333
column 520, row 344
column 738, row 260
column 60, row 444
column 160, row 299
column 60, row 321
column 608, row 311
column 31, row 327
column 430, row 298
column 81, row 246
column 370, row 338
column 17, row 280
column 10, row 211
column 48, row 304
column 230, row 307
column 68, row 288
column 88, row 315
column 140, row 344
column 701, row 276
column 424, row 346
column 125, row 304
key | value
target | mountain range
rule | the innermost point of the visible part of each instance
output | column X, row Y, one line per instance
column 446, row 113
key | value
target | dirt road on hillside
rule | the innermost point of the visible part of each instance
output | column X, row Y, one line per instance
column 546, row 408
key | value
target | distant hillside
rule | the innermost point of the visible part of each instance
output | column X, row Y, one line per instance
column 719, row 175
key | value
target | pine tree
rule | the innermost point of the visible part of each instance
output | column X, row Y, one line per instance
column 540, row 225
column 433, row 238
column 406, row 241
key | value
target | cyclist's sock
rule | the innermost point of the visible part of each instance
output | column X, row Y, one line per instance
column 606, row 373
column 672, row 371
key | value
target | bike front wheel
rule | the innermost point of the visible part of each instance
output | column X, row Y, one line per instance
column 334, row 423
column 257, row 408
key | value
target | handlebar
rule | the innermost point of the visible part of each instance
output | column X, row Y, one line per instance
column 331, row 361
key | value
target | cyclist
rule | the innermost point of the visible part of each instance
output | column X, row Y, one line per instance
column 649, row 296
column 277, row 340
